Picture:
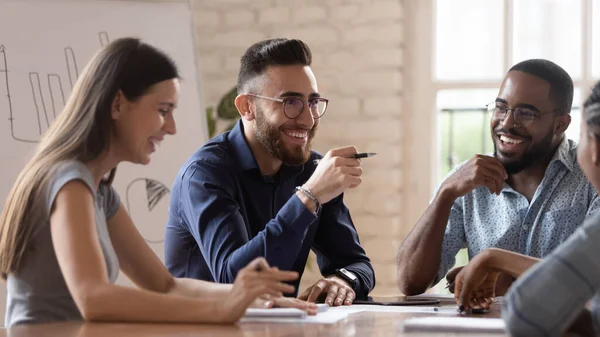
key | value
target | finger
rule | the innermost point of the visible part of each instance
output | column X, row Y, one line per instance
column 451, row 287
column 496, row 178
column 283, row 287
column 491, row 185
column 286, row 302
column 493, row 161
column 258, row 264
column 341, row 296
column 484, row 176
column 261, row 303
column 457, row 292
column 497, row 167
column 274, row 285
column 352, row 181
column 279, row 275
column 317, row 289
column 473, row 304
column 451, row 276
column 350, row 296
column 345, row 162
column 332, row 293
column 305, row 294
column 479, row 298
column 355, row 171
column 464, row 295
column 488, row 297
column 345, row 151
column 489, row 292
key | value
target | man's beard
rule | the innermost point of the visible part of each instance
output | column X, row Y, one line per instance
column 270, row 138
column 537, row 152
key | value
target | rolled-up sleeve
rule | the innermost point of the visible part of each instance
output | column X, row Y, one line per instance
column 454, row 240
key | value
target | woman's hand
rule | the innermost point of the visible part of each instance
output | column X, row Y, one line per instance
column 475, row 284
column 255, row 280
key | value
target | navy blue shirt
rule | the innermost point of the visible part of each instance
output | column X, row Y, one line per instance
column 224, row 213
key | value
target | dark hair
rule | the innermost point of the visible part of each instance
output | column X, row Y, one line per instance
column 274, row 52
column 561, row 84
column 592, row 114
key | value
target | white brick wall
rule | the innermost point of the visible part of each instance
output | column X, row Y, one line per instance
column 358, row 58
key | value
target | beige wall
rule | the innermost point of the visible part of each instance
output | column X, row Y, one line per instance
column 358, row 60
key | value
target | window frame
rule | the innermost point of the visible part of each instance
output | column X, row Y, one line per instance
column 421, row 94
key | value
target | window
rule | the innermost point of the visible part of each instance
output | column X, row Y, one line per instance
column 475, row 42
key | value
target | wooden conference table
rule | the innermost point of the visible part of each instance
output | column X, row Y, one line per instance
column 366, row 323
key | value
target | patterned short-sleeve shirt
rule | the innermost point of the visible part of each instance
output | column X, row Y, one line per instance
column 481, row 220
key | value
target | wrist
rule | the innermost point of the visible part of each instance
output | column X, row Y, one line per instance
column 222, row 310
column 491, row 258
column 347, row 276
column 308, row 202
column 314, row 191
column 446, row 195
column 307, row 193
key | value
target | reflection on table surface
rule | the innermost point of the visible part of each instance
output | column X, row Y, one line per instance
column 366, row 323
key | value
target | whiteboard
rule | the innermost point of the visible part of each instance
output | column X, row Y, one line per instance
column 45, row 45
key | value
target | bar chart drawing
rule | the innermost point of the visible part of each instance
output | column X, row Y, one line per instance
column 48, row 95
column 4, row 70
column 71, row 65
column 104, row 40
column 142, row 196
column 55, row 82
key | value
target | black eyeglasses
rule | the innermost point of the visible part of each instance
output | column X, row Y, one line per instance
column 522, row 115
column 293, row 106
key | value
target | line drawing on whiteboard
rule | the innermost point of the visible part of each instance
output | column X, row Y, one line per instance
column 153, row 192
column 104, row 40
column 60, row 89
column 5, row 70
column 71, row 65
column 40, row 103
column 37, row 87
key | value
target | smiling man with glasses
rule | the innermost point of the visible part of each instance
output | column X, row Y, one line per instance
column 528, row 197
column 256, row 191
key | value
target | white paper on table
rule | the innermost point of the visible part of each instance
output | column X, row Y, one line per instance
column 453, row 324
column 291, row 315
column 396, row 308
column 328, row 317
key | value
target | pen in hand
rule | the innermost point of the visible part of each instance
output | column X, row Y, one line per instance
column 355, row 156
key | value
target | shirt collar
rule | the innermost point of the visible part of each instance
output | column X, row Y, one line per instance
column 246, row 160
column 566, row 153
column 241, row 149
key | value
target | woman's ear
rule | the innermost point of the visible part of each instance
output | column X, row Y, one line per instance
column 117, row 105
column 243, row 105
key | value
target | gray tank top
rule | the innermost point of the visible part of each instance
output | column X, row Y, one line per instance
column 38, row 292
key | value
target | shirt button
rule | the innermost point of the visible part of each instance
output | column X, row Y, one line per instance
column 525, row 228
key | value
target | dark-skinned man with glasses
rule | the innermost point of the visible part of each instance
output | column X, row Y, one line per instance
column 256, row 191
column 528, row 197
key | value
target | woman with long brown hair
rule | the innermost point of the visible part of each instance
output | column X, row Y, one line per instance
column 64, row 234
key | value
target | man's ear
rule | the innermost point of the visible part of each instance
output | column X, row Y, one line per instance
column 562, row 124
column 117, row 106
column 244, row 107
column 594, row 142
